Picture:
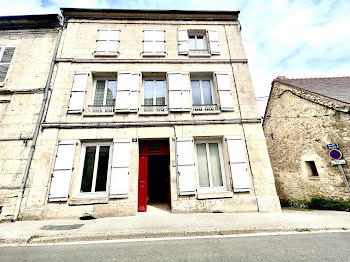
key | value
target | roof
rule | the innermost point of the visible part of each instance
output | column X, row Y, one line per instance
column 149, row 14
column 29, row 21
column 336, row 88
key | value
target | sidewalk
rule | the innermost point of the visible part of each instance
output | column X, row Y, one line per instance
column 169, row 225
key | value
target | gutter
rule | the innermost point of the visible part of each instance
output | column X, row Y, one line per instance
column 38, row 123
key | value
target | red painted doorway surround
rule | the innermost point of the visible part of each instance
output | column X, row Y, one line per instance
column 149, row 148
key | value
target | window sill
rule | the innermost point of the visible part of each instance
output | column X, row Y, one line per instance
column 87, row 201
column 2, row 84
column 205, row 112
column 213, row 195
column 314, row 178
column 153, row 54
column 153, row 113
column 198, row 55
column 98, row 114
column 106, row 54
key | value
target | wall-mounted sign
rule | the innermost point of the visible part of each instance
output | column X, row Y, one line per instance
column 335, row 154
column 332, row 146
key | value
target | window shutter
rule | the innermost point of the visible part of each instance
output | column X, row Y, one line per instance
column 62, row 171
column 182, row 38
column 213, row 40
column 120, row 168
column 127, row 92
column 238, row 164
column 76, row 102
column 5, row 61
column 179, row 91
column 153, row 41
column 108, row 40
column 185, row 165
column 225, row 91
column 148, row 44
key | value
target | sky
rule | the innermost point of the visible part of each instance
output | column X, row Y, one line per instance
column 292, row 38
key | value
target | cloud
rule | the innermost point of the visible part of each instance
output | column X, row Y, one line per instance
column 281, row 37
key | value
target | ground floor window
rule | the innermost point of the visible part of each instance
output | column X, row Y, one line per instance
column 94, row 171
column 210, row 167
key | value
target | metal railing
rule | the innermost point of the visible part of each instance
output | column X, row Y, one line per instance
column 154, row 108
column 204, row 108
column 100, row 108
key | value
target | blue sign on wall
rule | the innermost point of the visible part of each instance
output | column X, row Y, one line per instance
column 332, row 146
column 335, row 154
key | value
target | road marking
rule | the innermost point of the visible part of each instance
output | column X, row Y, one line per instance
column 176, row 238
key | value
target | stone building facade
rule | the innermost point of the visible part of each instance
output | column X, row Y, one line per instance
column 26, row 49
column 302, row 117
column 149, row 108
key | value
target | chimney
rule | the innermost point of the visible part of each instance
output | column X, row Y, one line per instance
column 281, row 77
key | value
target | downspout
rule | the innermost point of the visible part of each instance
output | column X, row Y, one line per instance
column 38, row 123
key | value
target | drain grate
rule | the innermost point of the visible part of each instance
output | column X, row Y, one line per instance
column 61, row 227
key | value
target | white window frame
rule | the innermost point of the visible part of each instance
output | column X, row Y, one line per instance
column 105, row 92
column 211, row 189
column 200, row 79
column 2, row 50
column 206, row 48
column 154, row 79
column 79, row 194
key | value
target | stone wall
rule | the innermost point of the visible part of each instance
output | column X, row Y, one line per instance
column 297, row 130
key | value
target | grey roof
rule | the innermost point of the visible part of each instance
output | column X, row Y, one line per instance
column 337, row 88
column 29, row 21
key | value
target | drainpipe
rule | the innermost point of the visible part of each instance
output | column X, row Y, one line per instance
column 38, row 123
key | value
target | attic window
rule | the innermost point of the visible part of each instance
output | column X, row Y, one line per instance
column 311, row 168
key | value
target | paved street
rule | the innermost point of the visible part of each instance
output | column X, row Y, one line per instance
column 332, row 246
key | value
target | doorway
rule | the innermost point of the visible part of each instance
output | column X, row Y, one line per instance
column 154, row 176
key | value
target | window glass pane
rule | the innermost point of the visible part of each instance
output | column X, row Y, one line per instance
column 203, row 173
column 192, row 42
column 196, row 93
column 207, row 92
column 149, row 92
column 86, row 181
column 111, row 92
column 160, row 96
column 215, row 164
column 99, row 92
column 200, row 42
column 102, row 169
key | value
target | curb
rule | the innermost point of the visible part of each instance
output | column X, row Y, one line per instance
column 37, row 239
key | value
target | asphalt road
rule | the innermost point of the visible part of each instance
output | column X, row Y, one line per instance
column 295, row 247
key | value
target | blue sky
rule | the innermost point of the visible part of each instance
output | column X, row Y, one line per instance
column 294, row 38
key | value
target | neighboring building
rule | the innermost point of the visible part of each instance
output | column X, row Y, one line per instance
column 302, row 117
column 26, row 49
column 150, row 107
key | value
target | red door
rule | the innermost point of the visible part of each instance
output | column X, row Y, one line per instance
column 142, row 196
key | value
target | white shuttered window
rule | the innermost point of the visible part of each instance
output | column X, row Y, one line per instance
column 76, row 102
column 120, row 168
column 62, row 171
column 6, row 56
column 153, row 42
column 213, row 40
column 179, row 91
column 238, row 164
column 225, row 91
column 185, row 165
column 108, row 40
column 182, row 38
column 127, row 92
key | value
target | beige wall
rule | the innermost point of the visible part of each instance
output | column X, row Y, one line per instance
column 18, row 114
column 298, row 130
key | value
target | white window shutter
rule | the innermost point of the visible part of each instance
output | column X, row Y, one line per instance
column 5, row 61
column 148, row 44
column 225, row 91
column 62, row 171
column 127, row 91
column 76, row 102
column 185, row 165
column 120, row 168
column 179, row 91
column 108, row 40
column 213, row 40
column 153, row 41
column 238, row 164
column 182, row 38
